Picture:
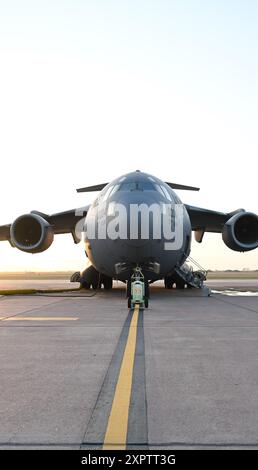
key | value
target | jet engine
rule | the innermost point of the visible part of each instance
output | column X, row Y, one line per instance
column 31, row 233
column 240, row 232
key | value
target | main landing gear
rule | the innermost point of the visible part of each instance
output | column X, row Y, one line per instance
column 91, row 278
column 169, row 282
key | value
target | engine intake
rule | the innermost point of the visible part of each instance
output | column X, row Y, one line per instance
column 31, row 233
column 240, row 233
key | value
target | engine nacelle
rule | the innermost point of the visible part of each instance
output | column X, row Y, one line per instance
column 240, row 233
column 31, row 233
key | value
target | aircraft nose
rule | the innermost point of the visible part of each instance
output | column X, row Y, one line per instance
column 139, row 212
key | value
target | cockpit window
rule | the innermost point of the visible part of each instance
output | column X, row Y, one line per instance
column 159, row 189
column 165, row 193
column 145, row 185
column 137, row 186
column 114, row 190
column 106, row 194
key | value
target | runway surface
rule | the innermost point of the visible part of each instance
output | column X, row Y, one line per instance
column 89, row 373
column 218, row 284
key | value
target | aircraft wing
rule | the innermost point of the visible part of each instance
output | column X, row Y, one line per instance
column 61, row 222
column 64, row 222
column 205, row 220
column 5, row 232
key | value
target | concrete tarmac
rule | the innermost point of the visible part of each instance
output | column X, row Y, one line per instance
column 194, row 381
column 217, row 284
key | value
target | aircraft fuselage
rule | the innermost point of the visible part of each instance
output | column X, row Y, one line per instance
column 137, row 220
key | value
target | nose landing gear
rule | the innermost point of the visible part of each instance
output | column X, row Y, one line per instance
column 138, row 290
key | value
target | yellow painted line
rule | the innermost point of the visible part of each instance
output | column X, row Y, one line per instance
column 38, row 318
column 116, row 432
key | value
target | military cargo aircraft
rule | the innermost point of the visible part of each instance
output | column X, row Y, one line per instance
column 137, row 220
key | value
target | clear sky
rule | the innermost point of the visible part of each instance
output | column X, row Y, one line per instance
column 93, row 89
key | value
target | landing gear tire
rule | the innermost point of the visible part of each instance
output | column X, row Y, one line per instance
column 147, row 289
column 180, row 285
column 168, row 283
column 146, row 302
column 90, row 278
column 85, row 285
column 129, row 302
column 108, row 283
column 128, row 288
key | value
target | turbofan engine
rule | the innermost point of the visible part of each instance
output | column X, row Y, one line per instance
column 31, row 233
column 240, row 233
